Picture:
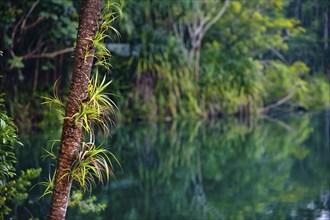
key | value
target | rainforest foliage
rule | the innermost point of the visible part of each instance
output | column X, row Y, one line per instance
column 175, row 58
column 171, row 60
column 13, row 187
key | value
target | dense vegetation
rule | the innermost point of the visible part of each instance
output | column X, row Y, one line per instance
column 13, row 187
column 175, row 58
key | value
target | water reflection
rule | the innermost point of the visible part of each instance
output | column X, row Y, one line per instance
column 263, row 169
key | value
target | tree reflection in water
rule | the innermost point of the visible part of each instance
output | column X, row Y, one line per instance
column 220, row 169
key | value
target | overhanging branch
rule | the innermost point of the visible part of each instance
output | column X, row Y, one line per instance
column 276, row 104
column 48, row 55
column 218, row 16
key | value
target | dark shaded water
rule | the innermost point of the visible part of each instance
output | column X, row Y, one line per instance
column 224, row 169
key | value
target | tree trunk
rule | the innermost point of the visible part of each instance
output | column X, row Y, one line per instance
column 71, row 134
column 197, row 63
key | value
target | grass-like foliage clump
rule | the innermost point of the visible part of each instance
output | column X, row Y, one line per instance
column 98, row 108
column 92, row 165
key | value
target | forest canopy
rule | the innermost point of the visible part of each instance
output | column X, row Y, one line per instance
column 175, row 59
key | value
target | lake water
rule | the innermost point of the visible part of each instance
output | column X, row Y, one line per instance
column 261, row 168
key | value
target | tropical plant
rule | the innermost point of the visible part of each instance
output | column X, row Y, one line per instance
column 15, row 191
column 8, row 139
column 92, row 164
column 13, row 187
column 241, row 40
column 86, row 206
column 88, row 105
column 110, row 12
column 54, row 101
column 98, row 107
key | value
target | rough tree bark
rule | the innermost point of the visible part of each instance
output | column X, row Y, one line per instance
column 71, row 134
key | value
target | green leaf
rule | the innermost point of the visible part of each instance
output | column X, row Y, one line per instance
column 16, row 62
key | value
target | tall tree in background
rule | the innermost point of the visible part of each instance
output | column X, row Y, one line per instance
column 72, row 132
column 198, row 24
